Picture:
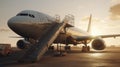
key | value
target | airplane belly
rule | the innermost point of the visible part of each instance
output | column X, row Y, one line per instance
column 65, row 39
column 34, row 31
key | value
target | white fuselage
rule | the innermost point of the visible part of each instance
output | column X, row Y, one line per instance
column 33, row 24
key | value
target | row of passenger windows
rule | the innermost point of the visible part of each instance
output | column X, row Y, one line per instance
column 24, row 14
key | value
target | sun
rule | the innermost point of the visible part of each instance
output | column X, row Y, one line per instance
column 95, row 31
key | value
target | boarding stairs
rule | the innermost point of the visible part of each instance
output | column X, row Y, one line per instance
column 35, row 52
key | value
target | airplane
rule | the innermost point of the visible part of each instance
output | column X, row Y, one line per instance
column 32, row 25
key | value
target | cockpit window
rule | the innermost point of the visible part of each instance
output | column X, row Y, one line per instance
column 32, row 16
column 24, row 14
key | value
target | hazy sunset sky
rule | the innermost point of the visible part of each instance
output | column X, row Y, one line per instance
column 106, row 15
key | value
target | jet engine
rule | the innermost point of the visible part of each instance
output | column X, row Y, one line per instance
column 22, row 44
column 98, row 44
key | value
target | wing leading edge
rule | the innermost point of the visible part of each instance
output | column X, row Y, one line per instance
column 80, row 38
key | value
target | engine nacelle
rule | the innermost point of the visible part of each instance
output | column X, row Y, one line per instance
column 22, row 44
column 98, row 44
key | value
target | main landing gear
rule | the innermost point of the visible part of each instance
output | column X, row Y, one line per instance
column 59, row 51
column 85, row 48
column 67, row 48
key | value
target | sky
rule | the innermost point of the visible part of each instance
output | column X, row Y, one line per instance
column 105, row 15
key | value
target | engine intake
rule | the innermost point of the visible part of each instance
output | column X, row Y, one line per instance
column 98, row 44
column 22, row 44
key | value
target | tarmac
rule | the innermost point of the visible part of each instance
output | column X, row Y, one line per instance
column 109, row 57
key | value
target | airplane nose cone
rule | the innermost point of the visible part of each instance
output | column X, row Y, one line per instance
column 12, row 22
column 19, row 25
column 15, row 24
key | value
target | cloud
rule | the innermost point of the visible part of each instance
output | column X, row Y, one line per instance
column 115, row 12
column 113, row 2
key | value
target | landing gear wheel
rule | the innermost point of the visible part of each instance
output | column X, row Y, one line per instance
column 67, row 48
column 60, row 53
column 88, row 48
column 85, row 49
column 51, row 48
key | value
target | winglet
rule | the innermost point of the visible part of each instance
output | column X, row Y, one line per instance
column 89, row 25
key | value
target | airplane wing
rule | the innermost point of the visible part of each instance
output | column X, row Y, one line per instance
column 108, row 36
column 80, row 38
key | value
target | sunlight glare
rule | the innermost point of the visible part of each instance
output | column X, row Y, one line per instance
column 94, row 31
column 96, row 54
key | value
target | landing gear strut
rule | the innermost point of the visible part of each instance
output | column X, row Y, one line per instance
column 51, row 48
column 67, row 48
column 85, row 48
column 59, row 51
